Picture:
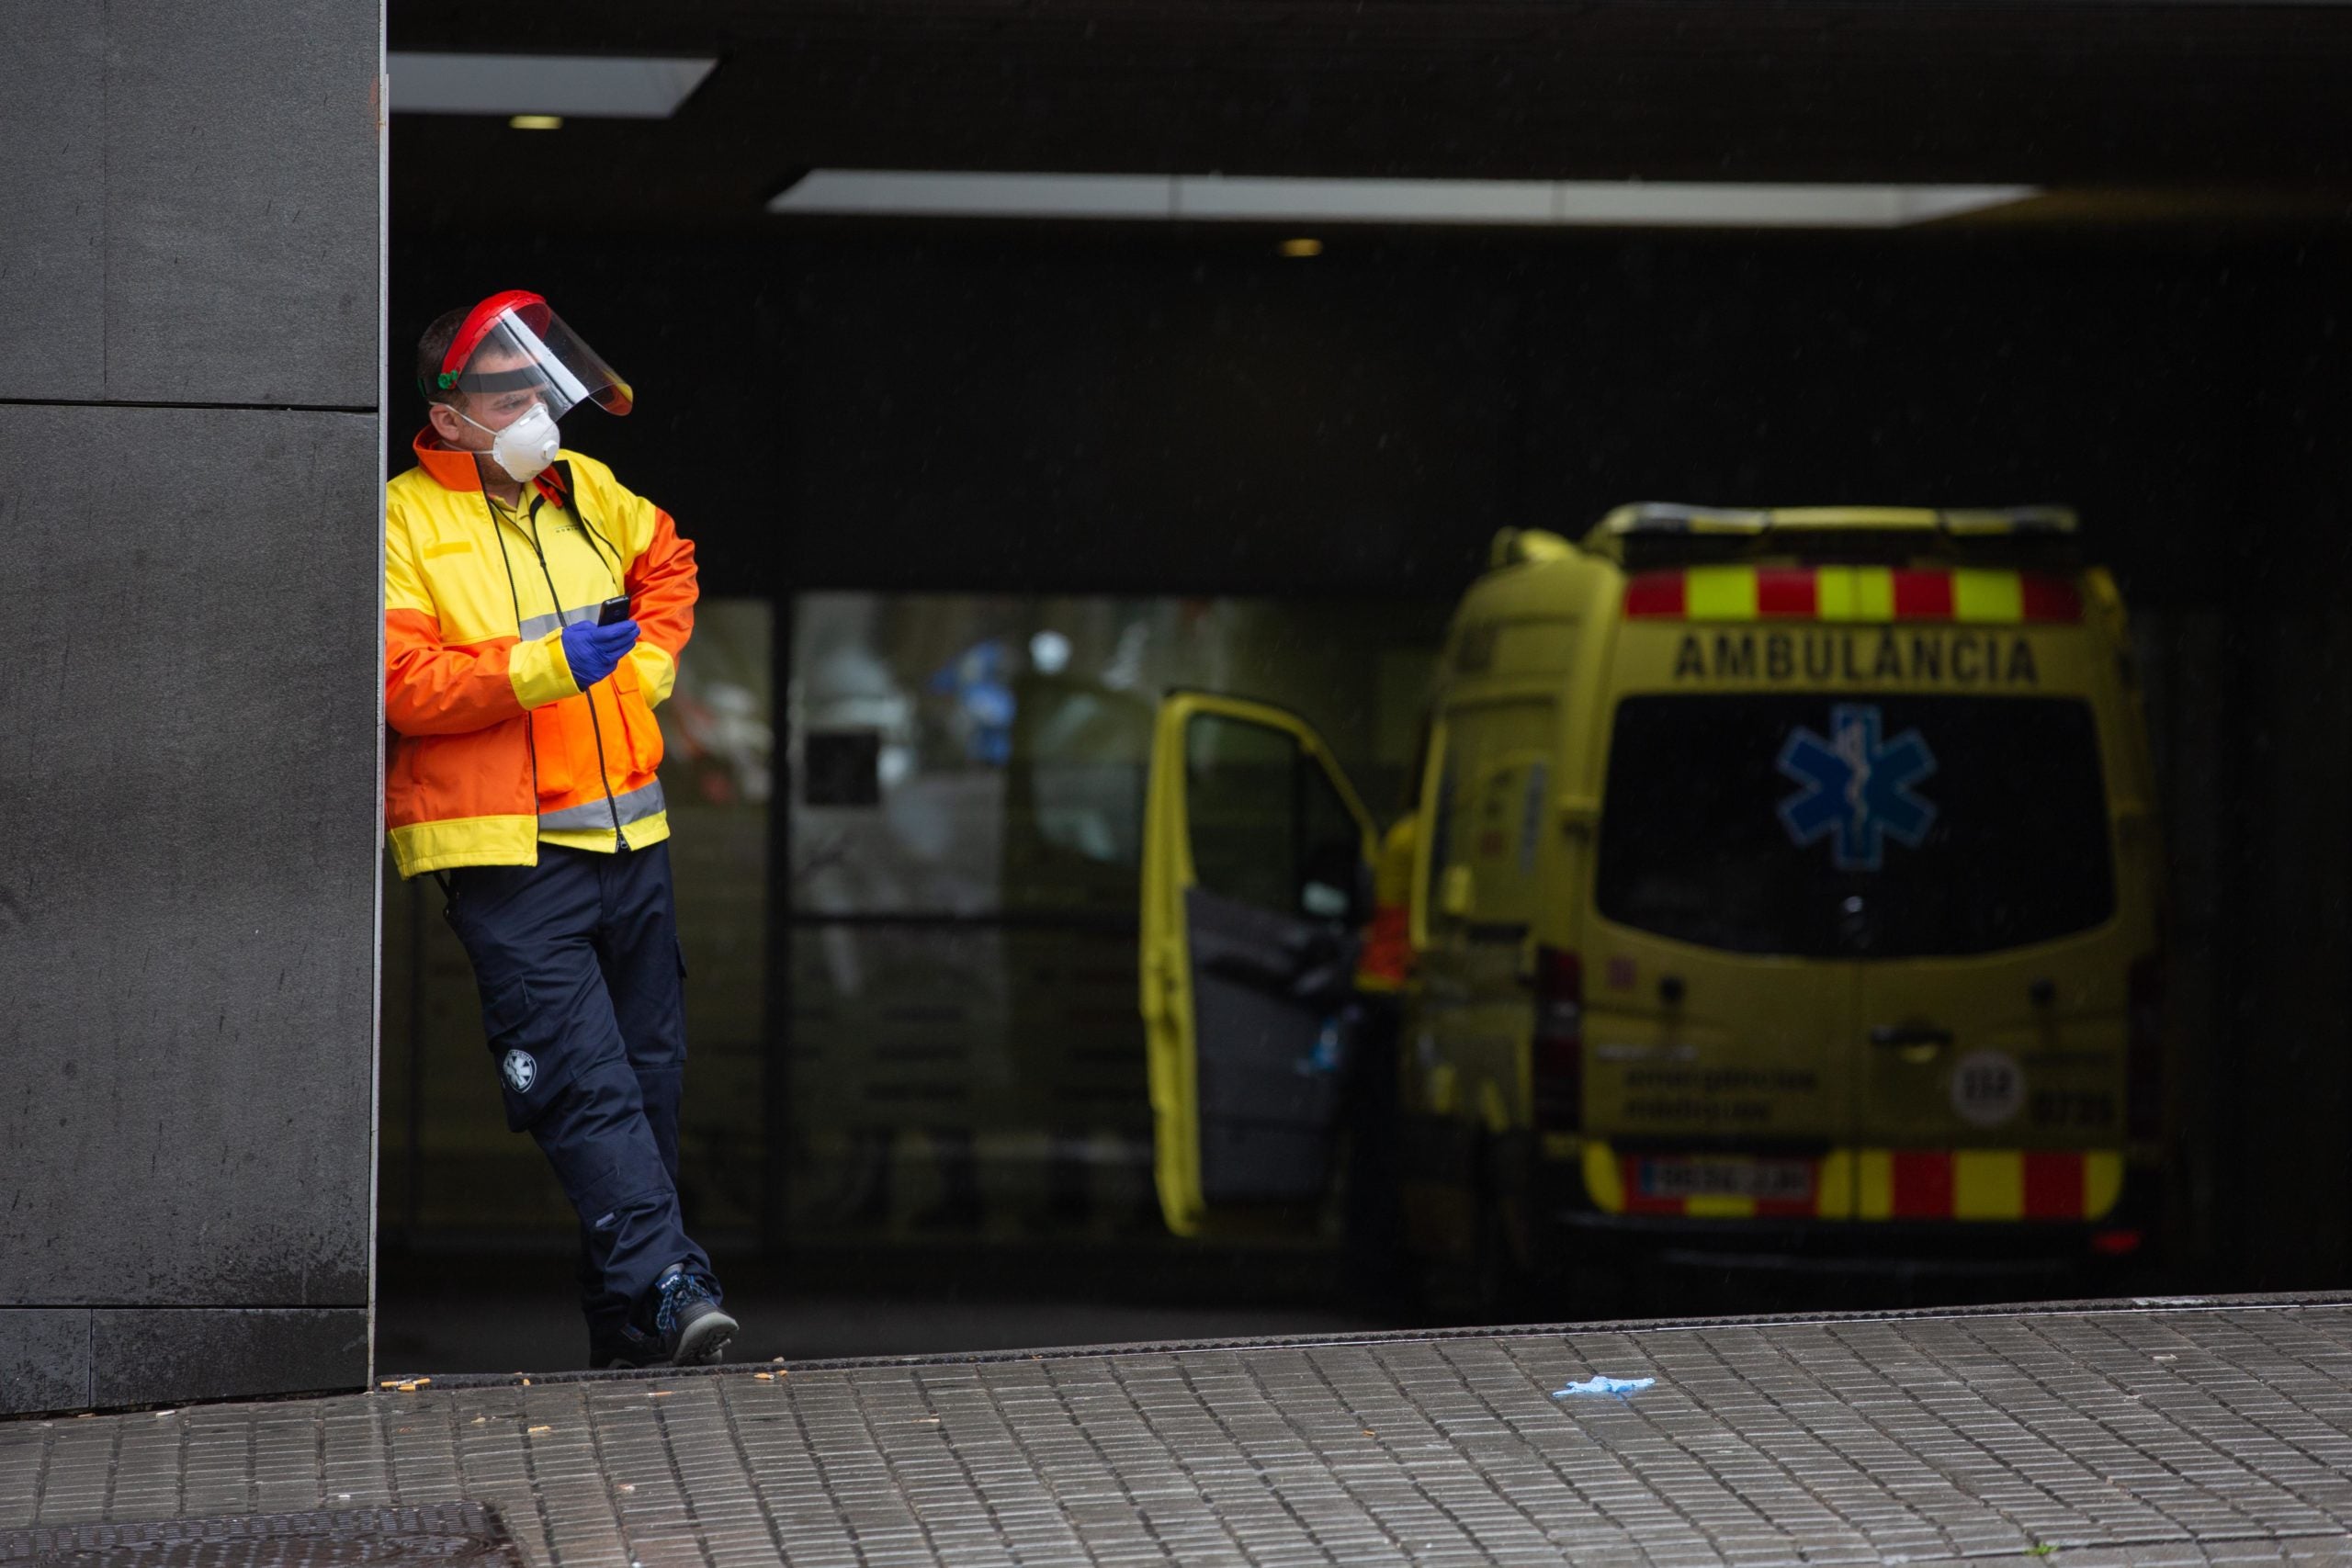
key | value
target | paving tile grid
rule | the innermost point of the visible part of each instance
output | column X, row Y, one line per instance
column 2145, row 1435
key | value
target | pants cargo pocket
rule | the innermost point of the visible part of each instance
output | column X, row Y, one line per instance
column 507, row 1015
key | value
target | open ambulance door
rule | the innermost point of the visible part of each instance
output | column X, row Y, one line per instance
column 1257, row 876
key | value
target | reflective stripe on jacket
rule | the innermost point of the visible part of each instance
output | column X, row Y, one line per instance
column 494, row 749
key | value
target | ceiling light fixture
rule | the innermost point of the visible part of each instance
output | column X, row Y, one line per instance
column 1272, row 199
column 1302, row 247
column 535, row 122
column 582, row 85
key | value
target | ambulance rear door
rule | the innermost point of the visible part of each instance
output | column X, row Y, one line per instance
column 1718, row 1007
column 1983, row 832
column 1256, row 879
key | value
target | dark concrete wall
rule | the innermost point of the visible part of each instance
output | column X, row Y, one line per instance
column 189, row 343
column 1032, row 409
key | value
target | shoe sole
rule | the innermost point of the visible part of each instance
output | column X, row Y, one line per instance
column 704, row 1341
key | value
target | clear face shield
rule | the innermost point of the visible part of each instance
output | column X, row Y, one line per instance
column 521, row 369
column 526, row 347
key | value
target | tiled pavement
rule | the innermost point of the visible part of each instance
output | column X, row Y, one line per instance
column 2157, row 1433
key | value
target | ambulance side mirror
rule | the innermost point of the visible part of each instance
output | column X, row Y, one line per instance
column 1338, row 885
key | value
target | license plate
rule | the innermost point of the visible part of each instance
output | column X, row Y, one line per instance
column 1702, row 1176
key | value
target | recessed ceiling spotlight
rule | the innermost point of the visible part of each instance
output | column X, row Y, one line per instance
column 536, row 122
column 1302, row 247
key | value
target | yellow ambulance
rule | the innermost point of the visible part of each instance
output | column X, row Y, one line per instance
column 1784, row 885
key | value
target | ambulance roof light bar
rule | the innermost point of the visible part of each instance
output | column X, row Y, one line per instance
column 1656, row 529
column 1672, row 517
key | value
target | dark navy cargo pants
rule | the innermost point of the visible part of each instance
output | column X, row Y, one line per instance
column 582, row 998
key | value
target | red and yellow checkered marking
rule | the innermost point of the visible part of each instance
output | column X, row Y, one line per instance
column 1973, row 596
column 1884, row 1184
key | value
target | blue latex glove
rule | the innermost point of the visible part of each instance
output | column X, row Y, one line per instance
column 593, row 651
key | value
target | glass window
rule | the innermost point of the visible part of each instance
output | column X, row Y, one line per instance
column 1268, row 829
column 970, row 756
column 1242, row 809
column 1881, row 827
column 962, row 1052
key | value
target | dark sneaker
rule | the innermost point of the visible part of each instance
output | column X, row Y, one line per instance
column 691, row 1329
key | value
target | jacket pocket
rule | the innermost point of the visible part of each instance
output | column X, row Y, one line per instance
column 429, row 778
column 564, row 745
column 641, row 730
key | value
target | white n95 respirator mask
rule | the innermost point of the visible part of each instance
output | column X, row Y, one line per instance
column 525, row 447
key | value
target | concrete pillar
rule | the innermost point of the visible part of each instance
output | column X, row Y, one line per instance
column 190, row 460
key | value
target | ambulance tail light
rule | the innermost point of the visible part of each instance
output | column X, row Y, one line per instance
column 2144, row 1087
column 1556, row 1073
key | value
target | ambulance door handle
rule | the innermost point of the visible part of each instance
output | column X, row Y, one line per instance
column 1900, row 1035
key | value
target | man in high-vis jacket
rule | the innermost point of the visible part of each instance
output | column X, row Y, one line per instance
column 534, row 613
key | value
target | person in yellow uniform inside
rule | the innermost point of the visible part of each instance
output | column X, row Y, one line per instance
column 1383, row 965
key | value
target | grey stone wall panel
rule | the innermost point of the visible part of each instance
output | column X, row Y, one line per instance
column 160, row 1358
column 242, row 202
column 190, row 201
column 186, row 909
column 44, row 1359
column 52, row 199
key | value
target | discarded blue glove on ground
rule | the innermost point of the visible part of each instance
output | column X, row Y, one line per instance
column 592, row 651
column 1623, row 1388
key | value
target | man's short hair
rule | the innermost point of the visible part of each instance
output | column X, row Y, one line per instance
column 431, row 350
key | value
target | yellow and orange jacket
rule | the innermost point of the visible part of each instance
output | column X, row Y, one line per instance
column 494, row 749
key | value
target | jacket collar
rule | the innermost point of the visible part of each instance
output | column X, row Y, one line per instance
column 453, row 469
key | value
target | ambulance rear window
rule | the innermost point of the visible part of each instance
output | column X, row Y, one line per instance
column 1862, row 826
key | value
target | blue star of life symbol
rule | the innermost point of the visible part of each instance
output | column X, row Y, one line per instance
column 1858, row 787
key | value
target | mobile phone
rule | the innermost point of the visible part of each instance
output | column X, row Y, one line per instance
column 613, row 610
